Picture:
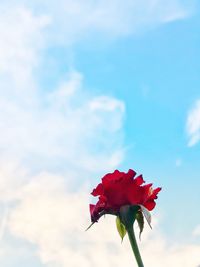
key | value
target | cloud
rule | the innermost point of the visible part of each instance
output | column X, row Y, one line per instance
column 52, row 127
column 193, row 124
column 73, row 21
column 20, row 43
column 53, row 219
column 53, row 142
column 50, row 139
column 46, row 125
column 196, row 231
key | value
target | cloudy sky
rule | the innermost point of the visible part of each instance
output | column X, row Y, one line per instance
column 87, row 87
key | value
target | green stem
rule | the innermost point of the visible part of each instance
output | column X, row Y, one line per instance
column 134, row 246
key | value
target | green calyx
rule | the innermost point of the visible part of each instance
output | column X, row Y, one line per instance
column 120, row 228
column 126, row 218
column 128, row 215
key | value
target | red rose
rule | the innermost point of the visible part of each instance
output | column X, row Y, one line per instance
column 118, row 189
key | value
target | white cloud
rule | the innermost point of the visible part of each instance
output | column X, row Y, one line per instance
column 54, row 220
column 104, row 103
column 52, row 142
column 20, row 43
column 196, row 231
column 42, row 126
column 193, row 124
column 65, row 127
column 47, row 140
column 75, row 20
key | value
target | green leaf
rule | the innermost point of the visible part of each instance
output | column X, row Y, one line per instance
column 140, row 220
column 120, row 228
column 147, row 214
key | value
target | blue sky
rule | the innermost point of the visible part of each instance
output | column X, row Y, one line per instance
column 85, row 88
column 156, row 75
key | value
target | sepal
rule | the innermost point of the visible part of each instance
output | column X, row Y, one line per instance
column 140, row 221
column 146, row 214
column 120, row 228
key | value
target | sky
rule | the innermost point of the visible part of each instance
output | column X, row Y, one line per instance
column 87, row 87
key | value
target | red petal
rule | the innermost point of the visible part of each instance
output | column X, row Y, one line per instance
column 157, row 190
column 154, row 193
column 112, row 177
column 150, row 204
column 120, row 188
column 131, row 173
column 147, row 188
column 139, row 180
column 99, row 190
column 103, row 199
column 92, row 208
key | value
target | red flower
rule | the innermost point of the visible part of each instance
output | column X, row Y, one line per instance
column 118, row 189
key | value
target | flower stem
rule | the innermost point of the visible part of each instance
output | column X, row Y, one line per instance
column 134, row 246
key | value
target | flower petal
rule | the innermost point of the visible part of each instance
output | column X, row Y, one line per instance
column 131, row 173
column 156, row 191
column 110, row 177
column 119, row 189
column 150, row 204
column 139, row 180
column 99, row 190
column 92, row 207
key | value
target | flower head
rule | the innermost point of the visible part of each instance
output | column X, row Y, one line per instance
column 118, row 189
